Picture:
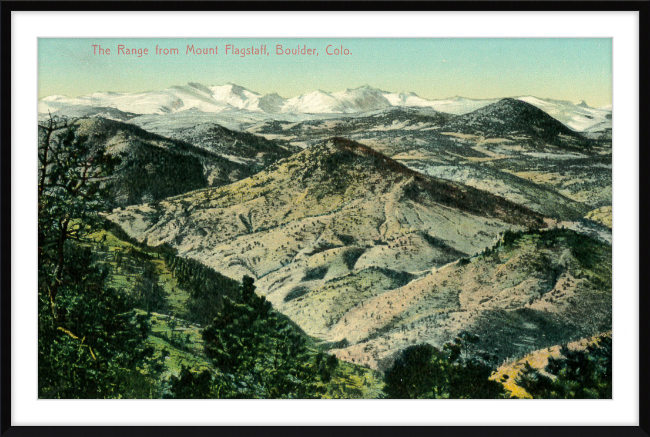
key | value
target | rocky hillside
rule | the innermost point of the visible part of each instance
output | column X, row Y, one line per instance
column 339, row 223
column 529, row 291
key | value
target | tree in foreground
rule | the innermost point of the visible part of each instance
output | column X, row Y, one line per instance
column 583, row 374
column 192, row 385
column 425, row 372
column 73, row 179
column 254, row 344
column 91, row 342
column 148, row 292
column 95, row 345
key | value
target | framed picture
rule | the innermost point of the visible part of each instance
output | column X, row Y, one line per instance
column 264, row 214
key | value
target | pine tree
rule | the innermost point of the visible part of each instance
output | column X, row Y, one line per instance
column 95, row 345
column 425, row 372
column 252, row 342
column 583, row 374
column 72, row 191
column 191, row 385
column 91, row 343
column 149, row 294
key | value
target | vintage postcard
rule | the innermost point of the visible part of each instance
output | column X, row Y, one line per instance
column 325, row 218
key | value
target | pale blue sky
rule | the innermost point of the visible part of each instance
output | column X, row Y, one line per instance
column 567, row 69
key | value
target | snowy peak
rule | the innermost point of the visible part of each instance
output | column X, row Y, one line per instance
column 230, row 90
column 350, row 101
column 407, row 99
column 271, row 103
column 579, row 117
column 236, row 96
column 362, row 99
column 313, row 103
column 231, row 97
column 199, row 88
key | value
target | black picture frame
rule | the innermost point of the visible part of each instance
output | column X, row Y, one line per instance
column 6, row 9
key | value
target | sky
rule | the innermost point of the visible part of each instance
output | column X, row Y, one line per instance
column 556, row 68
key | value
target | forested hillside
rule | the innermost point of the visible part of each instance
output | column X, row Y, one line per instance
column 335, row 272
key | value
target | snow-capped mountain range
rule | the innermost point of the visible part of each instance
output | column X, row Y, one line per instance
column 235, row 98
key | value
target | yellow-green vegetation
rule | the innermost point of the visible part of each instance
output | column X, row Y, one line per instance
column 554, row 372
column 174, row 357
column 508, row 373
column 126, row 263
column 182, row 334
column 601, row 215
column 179, row 343
column 351, row 381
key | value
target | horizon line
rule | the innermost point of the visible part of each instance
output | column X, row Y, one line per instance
column 326, row 92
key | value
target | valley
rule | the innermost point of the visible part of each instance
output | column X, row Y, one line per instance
column 373, row 221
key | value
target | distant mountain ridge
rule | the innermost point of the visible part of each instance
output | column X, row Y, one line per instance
column 511, row 117
column 154, row 167
column 232, row 98
column 240, row 147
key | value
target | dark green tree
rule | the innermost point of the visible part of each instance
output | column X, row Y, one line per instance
column 461, row 346
column 425, row 372
column 326, row 365
column 91, row 343
column 191, row 385
column 583, row 374
column 251, row 341
column 149, row 294
column 421, row 371
column 73, row 178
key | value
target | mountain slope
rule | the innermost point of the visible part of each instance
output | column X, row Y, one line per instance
column 529, row 165
column 243, row 147
column 371, row 124
column 377, row 273
column 511, row 118
column 338, row 211
column 529, row 291
column 578, row 117
column 154, row 167
column 335, row 176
